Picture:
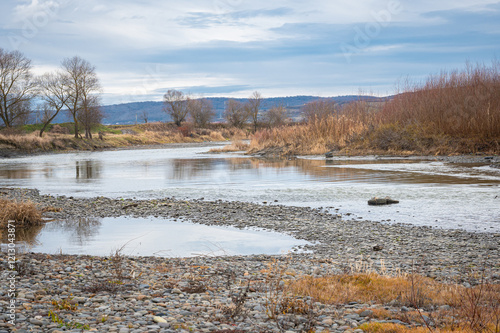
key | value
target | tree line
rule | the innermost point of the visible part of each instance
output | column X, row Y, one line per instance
column 73, row 87
column 180, row 106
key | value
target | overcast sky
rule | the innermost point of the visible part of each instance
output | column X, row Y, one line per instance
column 234, row 47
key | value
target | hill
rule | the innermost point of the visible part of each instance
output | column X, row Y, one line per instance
column 131, row 113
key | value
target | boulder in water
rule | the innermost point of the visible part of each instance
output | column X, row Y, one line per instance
column 375, row 201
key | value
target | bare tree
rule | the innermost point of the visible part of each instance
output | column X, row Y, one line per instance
column 83, row 84
column 201, row 111
column 90, row 114
column 318, row 109
column 17, row 87
column 54, row 91
column 236, row 113
column 276, row 116
column 176, row 105
column 144, row 116
column 253, row 107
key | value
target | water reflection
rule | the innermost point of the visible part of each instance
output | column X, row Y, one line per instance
column 430, row 192
column 79, row 230
column 161, row 237
column 88, row 169
column 24, row 235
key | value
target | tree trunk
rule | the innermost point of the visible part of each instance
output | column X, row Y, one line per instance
column 43, row 129
column 76, row 127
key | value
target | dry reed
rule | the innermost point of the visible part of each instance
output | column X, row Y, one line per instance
column 23, row 213
column 451, row 113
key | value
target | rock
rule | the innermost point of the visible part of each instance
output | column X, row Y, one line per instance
column 366, row 313
column 80, row 299
column 378, row 248
column 176, row 291
column 35, row 321
column 329, row 154
column 157, row 319
column 376, row 201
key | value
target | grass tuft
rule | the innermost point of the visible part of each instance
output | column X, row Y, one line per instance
column 24, row 213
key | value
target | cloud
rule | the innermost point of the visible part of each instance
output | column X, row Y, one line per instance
column 234, row 47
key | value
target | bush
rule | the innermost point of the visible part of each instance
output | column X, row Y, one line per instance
column 24, row 213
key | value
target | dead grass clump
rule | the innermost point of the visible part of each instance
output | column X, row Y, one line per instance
column 235, row 146
column 216, row 136
column 234, row 133
column 376, row 327
column 341, row 289
column 58, row 129
column 24, row 213
column 450, row 307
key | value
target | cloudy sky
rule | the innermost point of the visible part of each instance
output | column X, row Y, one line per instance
column 234, row 47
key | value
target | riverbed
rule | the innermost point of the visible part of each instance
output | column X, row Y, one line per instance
column 432, row 191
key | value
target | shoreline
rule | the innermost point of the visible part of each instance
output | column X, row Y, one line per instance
column 492, row 160
column 157, row 294
column 332, row 236
column 14, row 153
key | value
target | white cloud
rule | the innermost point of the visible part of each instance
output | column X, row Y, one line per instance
column 284, row 46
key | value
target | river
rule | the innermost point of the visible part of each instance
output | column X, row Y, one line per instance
column 433, row 193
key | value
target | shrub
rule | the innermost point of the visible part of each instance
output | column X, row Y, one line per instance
column 24, row 213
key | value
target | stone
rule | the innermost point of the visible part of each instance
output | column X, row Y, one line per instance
column 376, row 201
column 157, row 319
column 35, row 321
column 366, row 313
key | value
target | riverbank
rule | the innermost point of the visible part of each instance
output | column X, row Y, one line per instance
column 130, row 294
column 152, row 135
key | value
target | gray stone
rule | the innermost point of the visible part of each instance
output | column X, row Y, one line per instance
column 366, row 313
column 376, row 201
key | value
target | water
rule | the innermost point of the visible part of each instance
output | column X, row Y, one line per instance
column 431, row 193
column 152, row 237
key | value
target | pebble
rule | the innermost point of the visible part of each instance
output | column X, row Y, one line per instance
column 155, row 293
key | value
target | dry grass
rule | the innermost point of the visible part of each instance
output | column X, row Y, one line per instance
column 452, row 113
column 341, row 289
column 24, row 213
column 475, row 309
column 319, row 135
column 144, row 134
column 395, row 328
column 235, row 146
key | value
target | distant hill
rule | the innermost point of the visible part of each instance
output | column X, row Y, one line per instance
column 130, row 113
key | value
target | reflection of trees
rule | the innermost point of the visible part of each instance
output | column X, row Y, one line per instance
column 313, row 168
column 184, row 169
column 191, row 168
column 87, row 169
column 80, row 229
column 21, row 172
column 26, row 235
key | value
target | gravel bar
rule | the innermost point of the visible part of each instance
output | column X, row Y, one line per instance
column 201, row 294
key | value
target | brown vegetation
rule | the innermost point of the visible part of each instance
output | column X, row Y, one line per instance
column 23, row 213
column 434, row 306
column 118, row 136
column 236, row 145
column 452, row 113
